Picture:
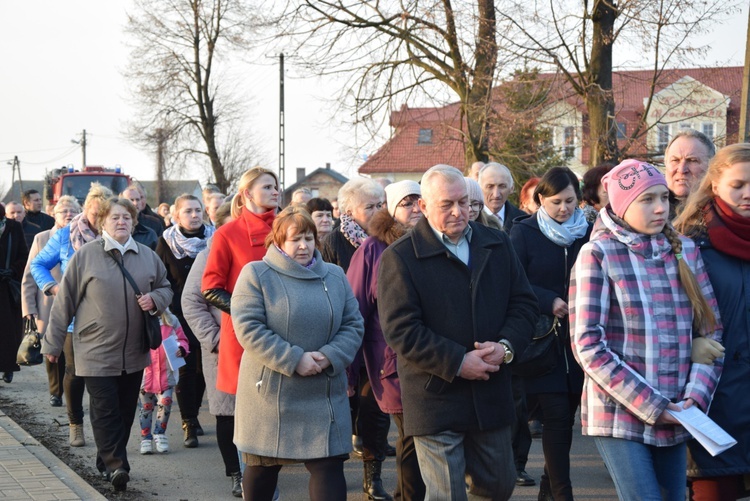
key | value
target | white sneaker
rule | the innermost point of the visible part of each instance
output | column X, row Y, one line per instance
column 162, row 443
column 146, row 447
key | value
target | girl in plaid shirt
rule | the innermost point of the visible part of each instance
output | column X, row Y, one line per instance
column 639, row 292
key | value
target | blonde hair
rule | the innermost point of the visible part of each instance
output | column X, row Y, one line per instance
column 69, row 200
column 168, row 318
column 97, row 192
column 691, row 219
column 246, row 182
column 704, row 320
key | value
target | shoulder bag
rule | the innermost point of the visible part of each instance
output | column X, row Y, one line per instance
column 540, row 357
column 152, row 329
column 30, row 349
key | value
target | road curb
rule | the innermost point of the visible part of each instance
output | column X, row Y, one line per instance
column 69, row 478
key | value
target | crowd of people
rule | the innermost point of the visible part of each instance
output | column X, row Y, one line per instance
column 311, row 328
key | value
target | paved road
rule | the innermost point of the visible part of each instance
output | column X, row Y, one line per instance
column 198, row 474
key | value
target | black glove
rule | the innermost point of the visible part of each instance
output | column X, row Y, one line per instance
column 220, row 298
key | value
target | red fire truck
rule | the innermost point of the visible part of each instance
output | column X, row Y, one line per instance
column 67, row 181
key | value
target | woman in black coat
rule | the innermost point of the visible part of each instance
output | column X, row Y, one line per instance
column 13, row 255
column 178, row 246
column 547, row 245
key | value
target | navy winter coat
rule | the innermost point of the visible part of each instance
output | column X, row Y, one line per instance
column 730, row 407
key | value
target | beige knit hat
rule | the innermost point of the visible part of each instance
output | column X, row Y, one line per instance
column 395, row 192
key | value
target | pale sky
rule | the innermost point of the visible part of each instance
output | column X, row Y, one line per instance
column 61, row 64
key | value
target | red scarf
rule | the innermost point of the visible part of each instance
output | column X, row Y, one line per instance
column 728, row 231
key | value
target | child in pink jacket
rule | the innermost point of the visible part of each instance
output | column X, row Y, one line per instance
column 156, row 390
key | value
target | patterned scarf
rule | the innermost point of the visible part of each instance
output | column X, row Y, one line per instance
column 566, row 233
column 352, row 231
column 183, row 246
column 728, row 231
column 80, row 231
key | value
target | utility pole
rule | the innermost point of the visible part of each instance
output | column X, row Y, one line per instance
column 83, row 144
column 745, row 104
column 161, row 187
column 17, row 167
column 281, row 122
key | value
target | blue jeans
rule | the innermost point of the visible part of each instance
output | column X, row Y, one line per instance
column 645, row 472
column 485, row 457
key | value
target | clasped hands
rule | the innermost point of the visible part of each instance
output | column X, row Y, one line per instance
column 311, row 363
column 482, row 360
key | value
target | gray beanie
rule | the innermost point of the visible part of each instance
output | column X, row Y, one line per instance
column 395, row 192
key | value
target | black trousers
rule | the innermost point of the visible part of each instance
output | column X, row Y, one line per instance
column 225, row 440
column 55, row 375
column 558, row 415
column 410, row 486
column 327, row 482
column 192, row 385
column 72, row 384
column 112, row 402
column 520, row 427
column 370, row 423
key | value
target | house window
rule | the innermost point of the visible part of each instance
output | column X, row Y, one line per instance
column 685, row 125
column 569, row 142
column 425, row 136
column 622, row 129
column 662, row 137
column 708, row 129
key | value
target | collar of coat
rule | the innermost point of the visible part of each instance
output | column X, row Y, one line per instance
column 129, row 245
column 287, row 266
column 484, row 242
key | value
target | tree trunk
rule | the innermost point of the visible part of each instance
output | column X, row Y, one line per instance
column 477, row 106
column 600, row 102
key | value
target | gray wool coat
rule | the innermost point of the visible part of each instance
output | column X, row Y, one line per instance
column 205, row 322
column 280, row 310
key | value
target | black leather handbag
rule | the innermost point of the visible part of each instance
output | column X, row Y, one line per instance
column 30, row 349
column 540, row 357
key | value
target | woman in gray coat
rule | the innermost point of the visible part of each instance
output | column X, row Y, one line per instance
column 300, row 326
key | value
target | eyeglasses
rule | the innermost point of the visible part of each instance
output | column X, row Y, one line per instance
column 66, row 211
column 476, row 206
column 408, row 205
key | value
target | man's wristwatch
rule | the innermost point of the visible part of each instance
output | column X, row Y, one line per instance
column 508, row 358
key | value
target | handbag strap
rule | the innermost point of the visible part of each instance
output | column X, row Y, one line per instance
column 127, row 275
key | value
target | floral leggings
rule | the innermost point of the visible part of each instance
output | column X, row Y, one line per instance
column 163, row 403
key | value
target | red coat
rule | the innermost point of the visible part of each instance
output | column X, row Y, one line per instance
column 234, row 245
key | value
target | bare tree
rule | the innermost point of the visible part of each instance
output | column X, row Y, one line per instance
column 577, row 39
column 180, row 86
column 394, row 52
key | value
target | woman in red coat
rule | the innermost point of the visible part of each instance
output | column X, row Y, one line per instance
column 234, row 245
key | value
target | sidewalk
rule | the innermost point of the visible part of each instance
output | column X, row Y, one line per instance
column 29, row 471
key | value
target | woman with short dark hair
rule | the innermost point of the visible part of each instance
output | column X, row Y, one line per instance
column 321, row 211
column 547, row 244
column 109, row 349
column 592, row 191
column 300, row 327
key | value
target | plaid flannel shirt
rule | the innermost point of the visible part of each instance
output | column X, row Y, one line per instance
column 631, row 332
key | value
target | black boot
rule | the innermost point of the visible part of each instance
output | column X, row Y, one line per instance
column 191, row 440
column 237, row 484
column 545, row 491
column 373, row 484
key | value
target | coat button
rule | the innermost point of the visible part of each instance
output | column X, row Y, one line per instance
column 382, row 372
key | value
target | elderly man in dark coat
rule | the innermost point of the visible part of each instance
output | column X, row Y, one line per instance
column 455, row 305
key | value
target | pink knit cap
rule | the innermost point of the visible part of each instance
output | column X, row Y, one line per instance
column 628, row 180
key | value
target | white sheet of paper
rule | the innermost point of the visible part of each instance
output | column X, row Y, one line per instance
column 170, row 348
column 705, row 430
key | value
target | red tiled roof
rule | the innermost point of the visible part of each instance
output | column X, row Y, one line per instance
column 403, row 153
